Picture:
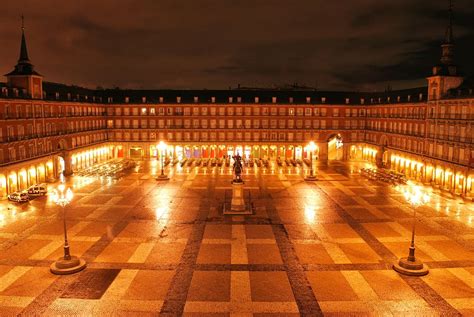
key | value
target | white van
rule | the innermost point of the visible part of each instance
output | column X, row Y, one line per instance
column 19, row 197
column 38, row 190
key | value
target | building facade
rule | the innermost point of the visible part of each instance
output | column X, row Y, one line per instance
column 425, row 133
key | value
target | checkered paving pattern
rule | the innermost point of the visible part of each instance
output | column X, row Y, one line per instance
column 323, row 248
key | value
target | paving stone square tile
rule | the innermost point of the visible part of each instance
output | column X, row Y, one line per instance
column 359, row 253
column 149, row 285
column 214, row 254
column 313, row 254
column 211, row 286
column 31, row 283
column 263, row 254
column 331, row 286
column 270, row 287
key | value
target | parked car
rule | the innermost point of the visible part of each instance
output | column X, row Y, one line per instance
column 38, row 190
column 19, row 197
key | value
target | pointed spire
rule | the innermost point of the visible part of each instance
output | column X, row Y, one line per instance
column 449, row 38
column 447, row 56
column 23, row 49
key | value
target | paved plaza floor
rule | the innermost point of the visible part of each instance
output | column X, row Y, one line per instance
column 164, row 247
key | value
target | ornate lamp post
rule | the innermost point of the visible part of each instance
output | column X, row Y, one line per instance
column 67, row 264
column 162, row 148
column 311, row 147
column 410, row 265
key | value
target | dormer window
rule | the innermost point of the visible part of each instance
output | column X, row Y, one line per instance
column 213, row 99
column 409, row 97
column 398, row 99
column 347, row 101
column 290, row 100
column 256, row 99
column 57, row 95
column 308, row 99
column 160, row 99
column 231, row 99
column 323, row 100
column 239, row 99
column 388, row 99
column 143, row 99
column 362, row 101
column 178, row 99
column 127, row 99
column 196, row 99
column 274, row 99
column 420, row 97
column 68, row 96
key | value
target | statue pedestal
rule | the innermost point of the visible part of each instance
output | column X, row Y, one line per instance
column 237, row 205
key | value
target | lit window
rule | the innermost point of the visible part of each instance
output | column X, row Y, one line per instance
column 143, row 111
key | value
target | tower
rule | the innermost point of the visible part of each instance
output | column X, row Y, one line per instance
column 24, row 75
column 445, row 75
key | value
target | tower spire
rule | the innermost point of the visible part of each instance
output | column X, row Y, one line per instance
column 447, row 57
column 23, row 49
column 449, row 31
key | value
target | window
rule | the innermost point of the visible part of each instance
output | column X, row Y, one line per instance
column 143, row 111
column 213, row 99
column 143, row 99
column 152, row 111
column 196, row 99
column 308, row 99
column 274, row 99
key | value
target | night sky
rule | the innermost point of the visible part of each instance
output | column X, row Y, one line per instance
column 335, row 45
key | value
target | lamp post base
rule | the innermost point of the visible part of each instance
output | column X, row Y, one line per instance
column 411, row 268
column 310, row 178
column 64, row 267
column 162, row 178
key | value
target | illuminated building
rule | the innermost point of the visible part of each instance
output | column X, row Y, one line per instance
column 426, row 133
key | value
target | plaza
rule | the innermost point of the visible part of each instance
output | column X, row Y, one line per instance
column 310, row 248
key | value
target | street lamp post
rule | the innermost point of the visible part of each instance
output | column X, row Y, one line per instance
column 410, row 265
column 311, row 147
column 67, row 264
column 162, row 148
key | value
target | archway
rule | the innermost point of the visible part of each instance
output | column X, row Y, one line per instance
column 335, row 147
column 136, row 153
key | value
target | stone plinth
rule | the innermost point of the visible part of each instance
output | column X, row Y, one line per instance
column 237, row 204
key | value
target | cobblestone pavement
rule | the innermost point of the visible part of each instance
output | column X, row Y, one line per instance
column 165, row 247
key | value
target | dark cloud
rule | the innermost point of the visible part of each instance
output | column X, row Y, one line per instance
column 342, row 44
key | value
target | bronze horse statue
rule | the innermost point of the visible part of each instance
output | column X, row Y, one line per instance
column 237, row 168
